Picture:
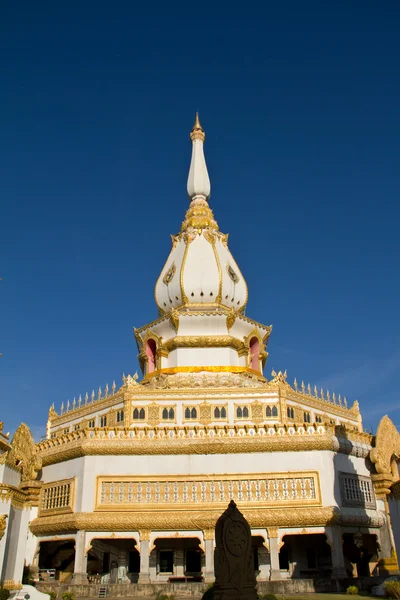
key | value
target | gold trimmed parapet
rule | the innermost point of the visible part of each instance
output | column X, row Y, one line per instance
column 221, row 439
column 196, row 492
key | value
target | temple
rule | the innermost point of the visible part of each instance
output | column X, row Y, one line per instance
column 130, row 481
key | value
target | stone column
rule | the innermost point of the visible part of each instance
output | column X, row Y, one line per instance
column 273, row 536
column 144, row 575
column 123, row 563
column 80, row 567
column 179, row 562
column 209, row 574
column 262, row 563
column 34, row 567
column 334, row 535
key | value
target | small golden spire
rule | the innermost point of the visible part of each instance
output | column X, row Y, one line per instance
column 197, row 132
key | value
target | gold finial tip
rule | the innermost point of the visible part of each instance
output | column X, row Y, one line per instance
column 197, row 126
column 197, row 130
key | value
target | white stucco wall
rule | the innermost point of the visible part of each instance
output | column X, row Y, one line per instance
column 87, row 468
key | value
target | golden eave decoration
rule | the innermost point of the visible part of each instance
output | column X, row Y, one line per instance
column 385, row 456
column 199, row 520
column 22, row 456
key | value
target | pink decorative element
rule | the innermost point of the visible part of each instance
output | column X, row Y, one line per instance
column 151, row 349
column 254, row 351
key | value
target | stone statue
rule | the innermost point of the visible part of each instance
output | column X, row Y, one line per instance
column 235, row 577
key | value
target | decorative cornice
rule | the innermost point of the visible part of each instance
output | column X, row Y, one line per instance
column 186, row 439
column 183, row 519
column 202, row 341
column 171, row 520
column 205, row 369
column 17, row 497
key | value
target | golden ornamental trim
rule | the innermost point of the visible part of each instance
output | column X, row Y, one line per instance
column 171, row 520
column 211, row 492
column 3, row 525
column 202, row 341
column 22, row 456
column 387, row 446
column 206, row 369
column 174, row 440
column 17, row 497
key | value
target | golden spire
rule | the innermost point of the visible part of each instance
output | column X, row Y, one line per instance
column 197, row 132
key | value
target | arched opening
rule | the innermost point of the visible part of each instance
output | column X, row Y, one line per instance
column 151, row 352
column 113, row 561
column 176, row 559
column 305, row 556
column 254, row 353
column 360, row 552
column 56, row 560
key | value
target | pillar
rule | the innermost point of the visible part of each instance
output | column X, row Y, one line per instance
column 123, row 564
column 273, row 535
column 179, row 563
column 334, row 535
column 144, row 575
column 80, row 566
column 262, row 563
column 209, row 574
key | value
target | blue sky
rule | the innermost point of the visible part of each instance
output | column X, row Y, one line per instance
column 300, row 103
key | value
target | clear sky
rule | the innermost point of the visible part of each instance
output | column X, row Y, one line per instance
column 300, row 103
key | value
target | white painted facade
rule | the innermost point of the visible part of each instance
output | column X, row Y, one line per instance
column 131, row 479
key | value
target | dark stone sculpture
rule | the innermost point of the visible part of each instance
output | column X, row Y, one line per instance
column 235, row 578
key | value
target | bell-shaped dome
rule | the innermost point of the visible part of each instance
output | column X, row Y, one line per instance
column 200, row 269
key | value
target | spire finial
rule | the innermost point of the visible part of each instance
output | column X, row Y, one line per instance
column 198, row 183
column 197, row 132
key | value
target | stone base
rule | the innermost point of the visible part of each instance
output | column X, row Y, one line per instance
column 144, row 578
column 275, row 575
column 339, row 573
column 228, row 592
column 79, row 578
column 196, row 590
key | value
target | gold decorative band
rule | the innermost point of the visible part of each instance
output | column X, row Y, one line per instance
column 171, row 520
column 203, row 341
column 208, row 369
column 142, row 444
column 199, row 520
column 211, row 492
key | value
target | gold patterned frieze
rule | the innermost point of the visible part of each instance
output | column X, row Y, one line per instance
column 205, row 491
column 57, row 497
column 205, row 369
column 17, row 497
column 205, row 439
column 203, row 341
column 172, row 520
